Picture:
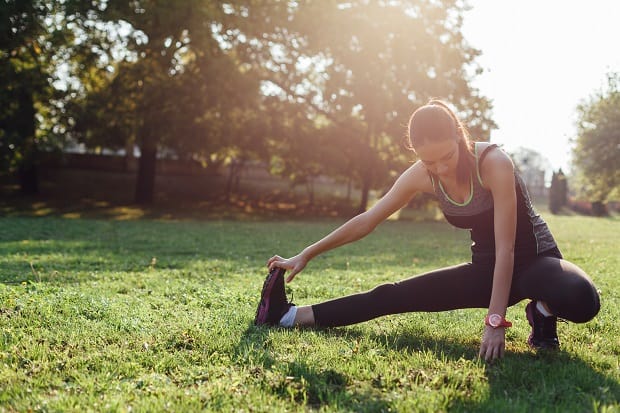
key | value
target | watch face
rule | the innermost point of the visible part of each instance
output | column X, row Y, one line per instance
column 495, row 320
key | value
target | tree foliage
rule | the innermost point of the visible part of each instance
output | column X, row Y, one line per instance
column 177, row 91
column 25, row 60
column 310, row 87
column 558, row 192
column 43, row 43
column 363, row 66
column 597, row 151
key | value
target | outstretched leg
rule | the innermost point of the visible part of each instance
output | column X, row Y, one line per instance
column 567, row 291
column 461, row 286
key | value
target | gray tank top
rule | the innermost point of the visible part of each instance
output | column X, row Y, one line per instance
column 476, row 214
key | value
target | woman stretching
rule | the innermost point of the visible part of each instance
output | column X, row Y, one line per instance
column 514, row 255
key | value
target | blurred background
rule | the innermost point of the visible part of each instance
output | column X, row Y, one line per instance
column 296, row 107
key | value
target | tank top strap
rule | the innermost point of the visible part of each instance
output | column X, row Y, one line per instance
column 432, row 178
column 480, row 157
column 485, row 152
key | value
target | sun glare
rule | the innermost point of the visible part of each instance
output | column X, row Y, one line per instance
column 540, row 59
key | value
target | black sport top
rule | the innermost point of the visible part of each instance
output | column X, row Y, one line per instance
column 476, row 214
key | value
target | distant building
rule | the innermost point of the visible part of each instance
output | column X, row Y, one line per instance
column 535, row 180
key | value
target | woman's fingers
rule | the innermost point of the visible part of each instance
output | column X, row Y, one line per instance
column 291, row 276
column 294, row 265
column 273, row 260
column 494, row 352
column 487, row 353
column 490, row 351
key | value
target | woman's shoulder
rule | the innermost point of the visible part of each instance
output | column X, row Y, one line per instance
column 418, row 177
column 494, row 161
column 482, row 146
column 492, row 151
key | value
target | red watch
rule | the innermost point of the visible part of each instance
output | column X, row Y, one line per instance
column 496, row 321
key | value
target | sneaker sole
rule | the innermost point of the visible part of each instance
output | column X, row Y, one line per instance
column 263, row 305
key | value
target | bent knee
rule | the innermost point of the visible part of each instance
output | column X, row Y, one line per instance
column 590, row 308
column 584, row 303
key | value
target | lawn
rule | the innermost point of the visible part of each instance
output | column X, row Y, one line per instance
column 156, row 315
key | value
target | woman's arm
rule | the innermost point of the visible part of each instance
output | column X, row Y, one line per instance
column 411, row 181
column 498, row 175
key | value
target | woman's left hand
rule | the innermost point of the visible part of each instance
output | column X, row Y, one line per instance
column 493, row 343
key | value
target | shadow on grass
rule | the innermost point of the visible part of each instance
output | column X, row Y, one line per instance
column 106, row 209
column 533, row 382
column 556, row 381
column 521, row 381
column 61, row 250
column 238, row 207
column 303, row 384
column 64, row 250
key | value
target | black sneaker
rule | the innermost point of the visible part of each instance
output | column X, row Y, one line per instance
column 273, row 302
column 544, row 333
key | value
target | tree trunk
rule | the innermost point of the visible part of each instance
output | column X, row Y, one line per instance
column 368, row 172
column 26, row 125
column 145, row 183
column 28, row 179
column 128, row 156
column 310, row 189
column 232, row 184
column 349, row 184
column 366, row 181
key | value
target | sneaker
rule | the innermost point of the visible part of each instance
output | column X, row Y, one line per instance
column 544, row 333
column 273, row 302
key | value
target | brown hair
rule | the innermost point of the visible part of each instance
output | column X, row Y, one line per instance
column 435, row 122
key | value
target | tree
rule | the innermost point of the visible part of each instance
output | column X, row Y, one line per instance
column 364, row 65
column 596, row 154
column 37, row 37
column 177, row 90
column 159, row 59
column 25, row 65
column 558, row 191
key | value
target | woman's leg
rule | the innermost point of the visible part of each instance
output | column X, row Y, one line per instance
column 565, row 288
column 461, row 286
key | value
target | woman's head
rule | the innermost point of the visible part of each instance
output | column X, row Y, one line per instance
column 441, row 141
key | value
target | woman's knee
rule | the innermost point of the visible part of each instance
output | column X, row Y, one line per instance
column 582, row 301
column 587, row 300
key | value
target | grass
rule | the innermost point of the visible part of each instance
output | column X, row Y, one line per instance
column 156, row 315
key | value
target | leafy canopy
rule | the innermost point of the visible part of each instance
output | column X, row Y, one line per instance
column 597, row 150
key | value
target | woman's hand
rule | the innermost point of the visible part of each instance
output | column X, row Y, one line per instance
column 294, row 264
column 493, row 343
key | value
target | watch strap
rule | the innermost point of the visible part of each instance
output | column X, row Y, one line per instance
column 503, row 322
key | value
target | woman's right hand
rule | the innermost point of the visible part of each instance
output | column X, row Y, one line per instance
column 294, row 264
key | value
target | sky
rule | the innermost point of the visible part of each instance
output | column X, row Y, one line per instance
column 541, row 58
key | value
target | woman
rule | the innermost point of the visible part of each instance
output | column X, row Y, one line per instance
column 514, row 255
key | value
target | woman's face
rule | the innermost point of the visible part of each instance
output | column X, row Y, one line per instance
column 440, row 158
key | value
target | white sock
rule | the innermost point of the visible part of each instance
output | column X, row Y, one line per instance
column 288, row 319
column 542, row 309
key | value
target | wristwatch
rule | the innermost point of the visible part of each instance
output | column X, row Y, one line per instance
column 496, row 321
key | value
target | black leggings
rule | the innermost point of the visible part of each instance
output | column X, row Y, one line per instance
column 565, row 288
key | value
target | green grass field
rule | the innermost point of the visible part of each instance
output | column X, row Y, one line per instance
column 156, row 315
